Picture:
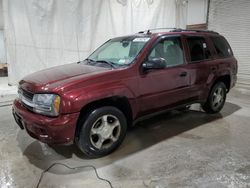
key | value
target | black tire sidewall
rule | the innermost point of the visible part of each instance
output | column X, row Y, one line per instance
column 208, row 107
column 84, row 142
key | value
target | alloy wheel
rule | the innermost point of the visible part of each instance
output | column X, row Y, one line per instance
column 105, row 131
column 218, row 97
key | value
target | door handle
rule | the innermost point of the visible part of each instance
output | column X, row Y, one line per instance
column 183, row 74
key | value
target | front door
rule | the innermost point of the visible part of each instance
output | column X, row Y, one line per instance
column 165, row 87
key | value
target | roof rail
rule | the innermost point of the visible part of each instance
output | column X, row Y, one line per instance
column 194, row 30
column 163, row 28
column 173, row 29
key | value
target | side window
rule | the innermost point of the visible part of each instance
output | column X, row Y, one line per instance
column 170, row 49
column 198, row 48
column 221, row 46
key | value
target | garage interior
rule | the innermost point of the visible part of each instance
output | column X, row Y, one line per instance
column 175, row 149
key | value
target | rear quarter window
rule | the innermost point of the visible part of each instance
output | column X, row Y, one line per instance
column 198, row 48
column 222, row 47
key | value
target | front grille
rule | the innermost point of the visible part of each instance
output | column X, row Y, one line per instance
column 27, row 94
column 28, row 97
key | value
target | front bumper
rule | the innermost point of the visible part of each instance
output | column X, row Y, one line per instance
column 52, row 130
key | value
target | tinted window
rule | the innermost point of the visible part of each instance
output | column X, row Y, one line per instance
column 221, row 46
column 198, row 48
column 170, row 49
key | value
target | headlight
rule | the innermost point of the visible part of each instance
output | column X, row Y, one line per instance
column 46, row 104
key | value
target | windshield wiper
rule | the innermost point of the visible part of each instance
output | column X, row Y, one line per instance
column 89, row 61
column 106, row 62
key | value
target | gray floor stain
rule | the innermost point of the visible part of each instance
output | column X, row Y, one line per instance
column 244, row 170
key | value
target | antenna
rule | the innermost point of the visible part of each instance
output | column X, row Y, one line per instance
column 77, row 30
column 77, row 45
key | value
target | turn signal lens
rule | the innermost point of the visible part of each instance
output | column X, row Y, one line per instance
column 56, row 104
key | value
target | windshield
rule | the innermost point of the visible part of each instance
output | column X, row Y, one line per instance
column 119, row 51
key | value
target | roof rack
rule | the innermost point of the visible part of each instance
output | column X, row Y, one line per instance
column 194, row 30
column 173, row 29
column 148, row 31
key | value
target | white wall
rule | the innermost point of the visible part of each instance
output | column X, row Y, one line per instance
column 197, row 12
column 1, row 14
column 2, row 48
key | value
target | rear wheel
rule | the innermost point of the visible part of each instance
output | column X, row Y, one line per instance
column 102, row 131
column 216, row 98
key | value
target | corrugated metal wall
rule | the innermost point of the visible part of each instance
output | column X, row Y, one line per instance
column 232, row 19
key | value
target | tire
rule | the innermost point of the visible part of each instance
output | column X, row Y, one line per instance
column 216, row 99
column 102, row 131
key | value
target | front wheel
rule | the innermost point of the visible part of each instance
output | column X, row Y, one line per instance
column 216, row 98
column 102, row 131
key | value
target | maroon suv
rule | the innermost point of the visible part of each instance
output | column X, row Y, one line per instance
column 92, row 102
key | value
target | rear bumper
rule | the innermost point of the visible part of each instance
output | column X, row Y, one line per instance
column 53, row 130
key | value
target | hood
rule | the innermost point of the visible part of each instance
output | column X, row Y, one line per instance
column 59, row 74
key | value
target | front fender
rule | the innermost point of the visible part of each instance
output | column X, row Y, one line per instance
column 98, row 92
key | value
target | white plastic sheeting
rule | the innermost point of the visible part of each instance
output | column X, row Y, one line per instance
column 2, row 48
column 45, row 33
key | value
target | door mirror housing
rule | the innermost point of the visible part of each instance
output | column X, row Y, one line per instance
column 154, row 63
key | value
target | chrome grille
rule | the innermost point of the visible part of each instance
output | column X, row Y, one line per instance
column 27, row 94
column 26, row 97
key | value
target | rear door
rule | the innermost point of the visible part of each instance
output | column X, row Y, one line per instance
column 165, row 87
column 200, row 60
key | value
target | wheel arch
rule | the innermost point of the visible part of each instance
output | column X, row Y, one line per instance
column 226, row 79
column 120, row 102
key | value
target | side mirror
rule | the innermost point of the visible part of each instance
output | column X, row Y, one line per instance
column 155, row 63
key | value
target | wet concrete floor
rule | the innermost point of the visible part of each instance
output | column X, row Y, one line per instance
column 177, row 149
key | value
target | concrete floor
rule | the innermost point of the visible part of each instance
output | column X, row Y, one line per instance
column 177, row 149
